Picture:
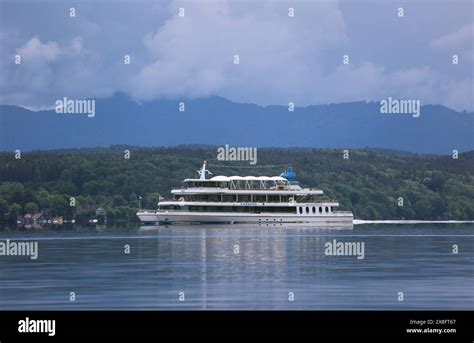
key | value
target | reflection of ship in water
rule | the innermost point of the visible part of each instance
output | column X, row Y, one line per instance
column 302, row 226
column 247, row 258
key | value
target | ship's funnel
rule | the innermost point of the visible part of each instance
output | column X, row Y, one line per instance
column 289, row 174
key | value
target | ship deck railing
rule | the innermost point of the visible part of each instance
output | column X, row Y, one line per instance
column 318, row 201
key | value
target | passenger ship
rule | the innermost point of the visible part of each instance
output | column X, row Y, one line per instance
column 250, row 199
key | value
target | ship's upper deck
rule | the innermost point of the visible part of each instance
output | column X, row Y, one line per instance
column 239, row 183
column 221, row 183
column 243, row 184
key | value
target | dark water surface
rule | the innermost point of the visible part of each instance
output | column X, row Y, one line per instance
column 204, row 264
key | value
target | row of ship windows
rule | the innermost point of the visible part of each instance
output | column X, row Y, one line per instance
column 243, row 198
column 250, row 209
column 237, row 184
column 240, row 209
column 327, row 209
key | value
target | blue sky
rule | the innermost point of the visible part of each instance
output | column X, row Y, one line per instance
column 282, row 59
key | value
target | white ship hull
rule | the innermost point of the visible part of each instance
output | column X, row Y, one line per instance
column 333, row 219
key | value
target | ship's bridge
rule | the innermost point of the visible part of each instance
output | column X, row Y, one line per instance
column 240, row 183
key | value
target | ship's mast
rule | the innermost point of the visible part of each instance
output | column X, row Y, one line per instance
column 202, row 172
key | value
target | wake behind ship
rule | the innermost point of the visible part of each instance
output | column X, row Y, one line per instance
column 264, row 200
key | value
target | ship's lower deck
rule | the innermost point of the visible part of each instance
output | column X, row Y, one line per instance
column 176, row 217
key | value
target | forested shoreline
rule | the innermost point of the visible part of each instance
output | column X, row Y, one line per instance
column 75, row 183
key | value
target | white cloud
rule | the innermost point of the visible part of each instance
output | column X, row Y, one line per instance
column 35, row 50
column 193, row 55
column 464, row 35
column 76, row 45
column 282, row 59
column 460, row 42
column 458, row 94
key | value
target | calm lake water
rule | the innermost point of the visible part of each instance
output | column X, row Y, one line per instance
column 236, row 267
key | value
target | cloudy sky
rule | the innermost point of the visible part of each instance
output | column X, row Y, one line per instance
column 281, row 58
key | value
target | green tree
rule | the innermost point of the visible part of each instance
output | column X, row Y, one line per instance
column 31, row 208
column 43, row 199
column 422, row 209
column 4, row 210
column 15, row 210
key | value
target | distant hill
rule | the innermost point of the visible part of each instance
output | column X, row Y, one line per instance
column 217, row 121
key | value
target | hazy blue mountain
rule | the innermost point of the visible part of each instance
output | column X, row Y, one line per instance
column 217, row 121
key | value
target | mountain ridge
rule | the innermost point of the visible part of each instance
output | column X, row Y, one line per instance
column 219, row 121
